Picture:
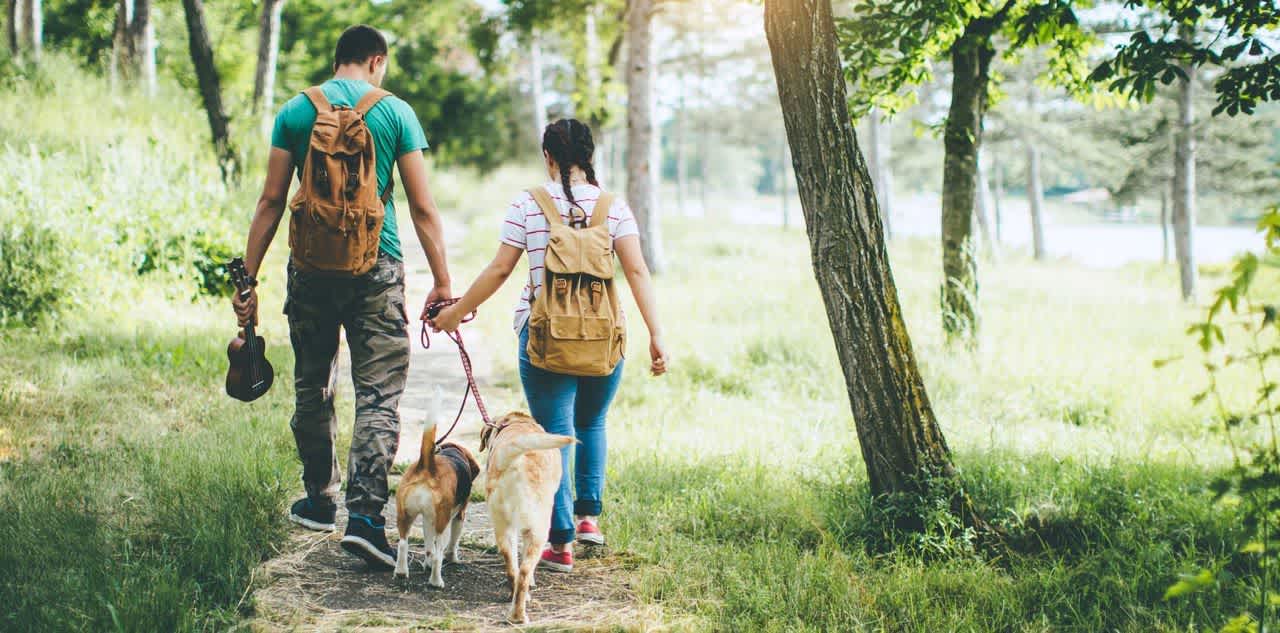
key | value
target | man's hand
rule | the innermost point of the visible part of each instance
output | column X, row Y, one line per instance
column 438, row 293
column 246, row 308
column 658, row 356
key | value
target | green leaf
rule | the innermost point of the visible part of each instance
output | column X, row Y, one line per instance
column 1189, row 584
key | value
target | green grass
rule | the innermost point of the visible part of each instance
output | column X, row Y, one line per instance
column 737, row 479
column 135, row 496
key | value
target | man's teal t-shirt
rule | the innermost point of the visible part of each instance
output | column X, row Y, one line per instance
column 395, row 128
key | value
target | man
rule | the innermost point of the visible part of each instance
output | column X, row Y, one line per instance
column 369, row 307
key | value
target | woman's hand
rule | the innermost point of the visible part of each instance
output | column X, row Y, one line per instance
column 447, row 320
column 658, row 356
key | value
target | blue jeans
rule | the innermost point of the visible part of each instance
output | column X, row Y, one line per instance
column 573, row 406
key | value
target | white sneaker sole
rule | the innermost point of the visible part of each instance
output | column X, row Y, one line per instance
column 594, row 539
column 542, row 562
column 364, row 549
column 312, row 525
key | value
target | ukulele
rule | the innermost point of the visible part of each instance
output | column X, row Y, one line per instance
column 249, row 375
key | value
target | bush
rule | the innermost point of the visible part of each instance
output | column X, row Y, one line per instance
column 32, row 273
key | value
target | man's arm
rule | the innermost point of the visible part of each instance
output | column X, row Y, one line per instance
column 426, row 223
column 266, row 219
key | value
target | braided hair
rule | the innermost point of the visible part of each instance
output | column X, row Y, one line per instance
column 568, row 142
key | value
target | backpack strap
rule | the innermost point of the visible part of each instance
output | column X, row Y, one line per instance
column 601, row 212
column 546, row 204
column 321, row 102
column 369, row 100
column 391, row 187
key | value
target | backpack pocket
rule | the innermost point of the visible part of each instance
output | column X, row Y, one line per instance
column 332, row 239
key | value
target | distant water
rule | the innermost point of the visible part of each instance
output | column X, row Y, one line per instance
column 1097, row 244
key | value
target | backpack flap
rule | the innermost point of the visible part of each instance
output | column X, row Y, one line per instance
column 586, row 251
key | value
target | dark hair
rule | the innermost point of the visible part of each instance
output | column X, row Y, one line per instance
column 569, row 143
column 357, row 44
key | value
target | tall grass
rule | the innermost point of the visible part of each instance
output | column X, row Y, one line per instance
column 134, row 496
column 738, row 482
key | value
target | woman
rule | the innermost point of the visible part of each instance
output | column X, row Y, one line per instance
column 565, row 404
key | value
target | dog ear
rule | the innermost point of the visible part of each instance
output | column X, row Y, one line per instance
column 475, row 466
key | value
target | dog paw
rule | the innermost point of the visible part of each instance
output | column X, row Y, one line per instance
column 518, row 618
column 437, row 583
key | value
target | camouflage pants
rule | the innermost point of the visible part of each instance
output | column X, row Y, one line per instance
column 370, row 308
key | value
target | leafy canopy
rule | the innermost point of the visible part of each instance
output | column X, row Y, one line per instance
column 1231, row 34
column 890, row 45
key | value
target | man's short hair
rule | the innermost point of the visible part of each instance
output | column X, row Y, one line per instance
column 358, row 44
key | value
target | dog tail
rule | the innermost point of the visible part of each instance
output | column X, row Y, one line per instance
column 508, row 452
column 426, row 459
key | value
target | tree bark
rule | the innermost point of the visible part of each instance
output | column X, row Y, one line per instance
column 1035, row 186
column 210, row 88
column 898, row 433
column 1035, row 197
column 970, row 59
column 535, row 87
column 642, row 162
column 15, row 26
column 33, row 28
column 133, row 55
column 264, row 75
column 1184, row 182
column 879, row 148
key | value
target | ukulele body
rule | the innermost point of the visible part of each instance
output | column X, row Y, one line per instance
column 250, row 374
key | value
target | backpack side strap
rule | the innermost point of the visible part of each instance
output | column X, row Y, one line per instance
column 601, row 211
column 369, row 100
column 321, row 102
column 546, row 204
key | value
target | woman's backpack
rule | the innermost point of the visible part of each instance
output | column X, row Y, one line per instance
column 576, row 325
column 336, row 221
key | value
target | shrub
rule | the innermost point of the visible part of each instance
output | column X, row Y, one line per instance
column 32, row 273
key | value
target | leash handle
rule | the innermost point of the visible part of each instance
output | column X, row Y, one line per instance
column 434, row 309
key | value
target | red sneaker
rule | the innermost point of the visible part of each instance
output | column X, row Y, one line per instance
column 588, row 532
column 556, row 561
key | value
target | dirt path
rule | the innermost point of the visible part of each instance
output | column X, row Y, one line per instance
column 312, row 585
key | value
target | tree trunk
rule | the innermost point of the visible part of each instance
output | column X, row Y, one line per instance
column 142, row 35
column 33, row 28
column 642, row 162
column 899, row 435
column 1184, row 182
column 15, row 26
column 536, row 87
column 133, row 55
column 121, row 44
column 264, row 75
column 1164, row 223
column 970, row 59
column 982, row 209
column 878, row 150
column 1035, row 198
column 1035, row 186
column 210, row 88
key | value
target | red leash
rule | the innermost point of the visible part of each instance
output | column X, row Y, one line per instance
column 434, row 309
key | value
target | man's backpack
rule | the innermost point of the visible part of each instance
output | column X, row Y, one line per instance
column 337, row 214
column 576, row 326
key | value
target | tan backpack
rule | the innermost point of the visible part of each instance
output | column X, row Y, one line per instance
column 576, row 326
column 337, row 216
